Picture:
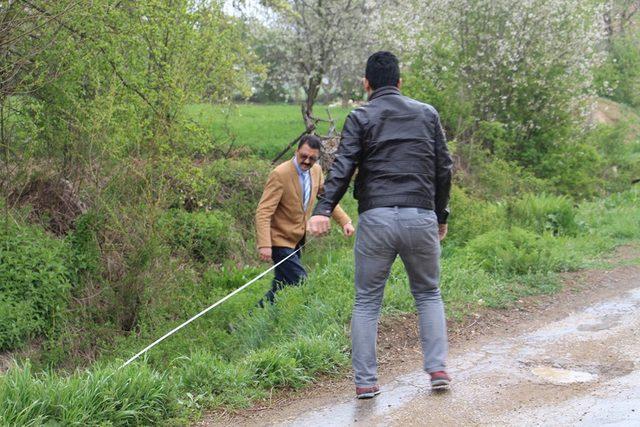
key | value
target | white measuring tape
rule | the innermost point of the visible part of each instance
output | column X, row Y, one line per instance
column 217, row 303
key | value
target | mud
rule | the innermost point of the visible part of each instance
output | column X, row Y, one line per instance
column 569, row 359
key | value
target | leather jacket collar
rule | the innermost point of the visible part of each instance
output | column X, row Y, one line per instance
column 384, row 90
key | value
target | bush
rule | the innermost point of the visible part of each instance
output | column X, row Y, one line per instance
column 619, row 146
column 241, row 183
column 573, row 167
column 514, row 251
column 206, row 236
column 35, row 278
column 543, row 213
column 471, row 217
column 619, row 76
column 488, row 176
column 19, row 321
column 617, row 216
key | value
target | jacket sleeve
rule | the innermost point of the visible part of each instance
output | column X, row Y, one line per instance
column 444, row 170
column 344, row 165
column 266, row 208
column 338, row 215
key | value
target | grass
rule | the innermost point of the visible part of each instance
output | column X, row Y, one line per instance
column 497, row 253
column 102, row 396
column 285, row 346
column 264, row 129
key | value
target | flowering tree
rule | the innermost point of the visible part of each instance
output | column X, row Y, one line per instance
column 316, row 43
column 523, row 66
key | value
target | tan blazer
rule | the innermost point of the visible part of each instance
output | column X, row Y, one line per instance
column 280, row 218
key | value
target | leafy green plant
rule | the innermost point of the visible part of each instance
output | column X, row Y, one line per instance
column 35, row 279
column 207, row 236
column 543, row 213
column 19, row 322
column 471, row 217
column 513, row 251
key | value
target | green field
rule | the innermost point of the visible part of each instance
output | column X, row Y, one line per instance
column 266, row 129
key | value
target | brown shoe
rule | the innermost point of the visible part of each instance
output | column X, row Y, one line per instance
column 367, row 392
column 439, row 380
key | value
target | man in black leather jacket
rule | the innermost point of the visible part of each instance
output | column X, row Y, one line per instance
column 403, row 183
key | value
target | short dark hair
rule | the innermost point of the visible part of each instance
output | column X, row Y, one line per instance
column 312, row 141
column 382, row 70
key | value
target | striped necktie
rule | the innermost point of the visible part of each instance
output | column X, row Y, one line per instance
column 306, row 189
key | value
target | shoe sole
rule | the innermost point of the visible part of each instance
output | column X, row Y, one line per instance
column 368, row 395
column 439, row 384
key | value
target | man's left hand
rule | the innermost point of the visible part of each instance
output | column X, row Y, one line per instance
column 348, row 229
column 318, row 225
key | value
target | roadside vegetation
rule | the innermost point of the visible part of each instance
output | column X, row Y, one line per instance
column 128, row 189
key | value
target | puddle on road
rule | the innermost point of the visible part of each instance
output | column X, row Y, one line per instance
column 562, row 376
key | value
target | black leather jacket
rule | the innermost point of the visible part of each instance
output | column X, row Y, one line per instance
column 399, row 148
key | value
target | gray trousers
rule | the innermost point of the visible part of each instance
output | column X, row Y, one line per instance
column 384, row 233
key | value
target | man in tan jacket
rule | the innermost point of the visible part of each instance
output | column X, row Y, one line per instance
column 283, row 210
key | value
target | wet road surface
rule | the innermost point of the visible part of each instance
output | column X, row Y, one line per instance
column 581, row 369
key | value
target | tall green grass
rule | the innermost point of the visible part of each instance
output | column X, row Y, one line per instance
column 104, row 395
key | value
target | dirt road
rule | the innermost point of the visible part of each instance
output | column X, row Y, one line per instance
column 568, row 359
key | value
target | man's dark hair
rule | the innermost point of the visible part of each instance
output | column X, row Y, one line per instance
column 382, row 70
column 312, row 141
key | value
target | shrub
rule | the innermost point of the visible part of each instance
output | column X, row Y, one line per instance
column 241, row 182
column 488, row 176
column 206, row 236
column 514, row 251
column 573, row 166
column 35, row 278
column 543, row 213
column 617, row 216
column 19, row 321
column 619, row 77
column 471, row 217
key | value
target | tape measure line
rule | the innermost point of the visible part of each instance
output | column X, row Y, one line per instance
column 217, row 303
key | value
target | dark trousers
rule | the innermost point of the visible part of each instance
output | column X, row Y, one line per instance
column 290, row 272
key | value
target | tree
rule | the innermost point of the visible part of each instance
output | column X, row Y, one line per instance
column 101, row 88
column 619, row 16
column 619, row 77
column 526, row 66
column 316, row 43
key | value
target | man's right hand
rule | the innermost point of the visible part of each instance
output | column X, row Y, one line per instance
column 265, row 253
column 442, row 231
column 318, row 225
